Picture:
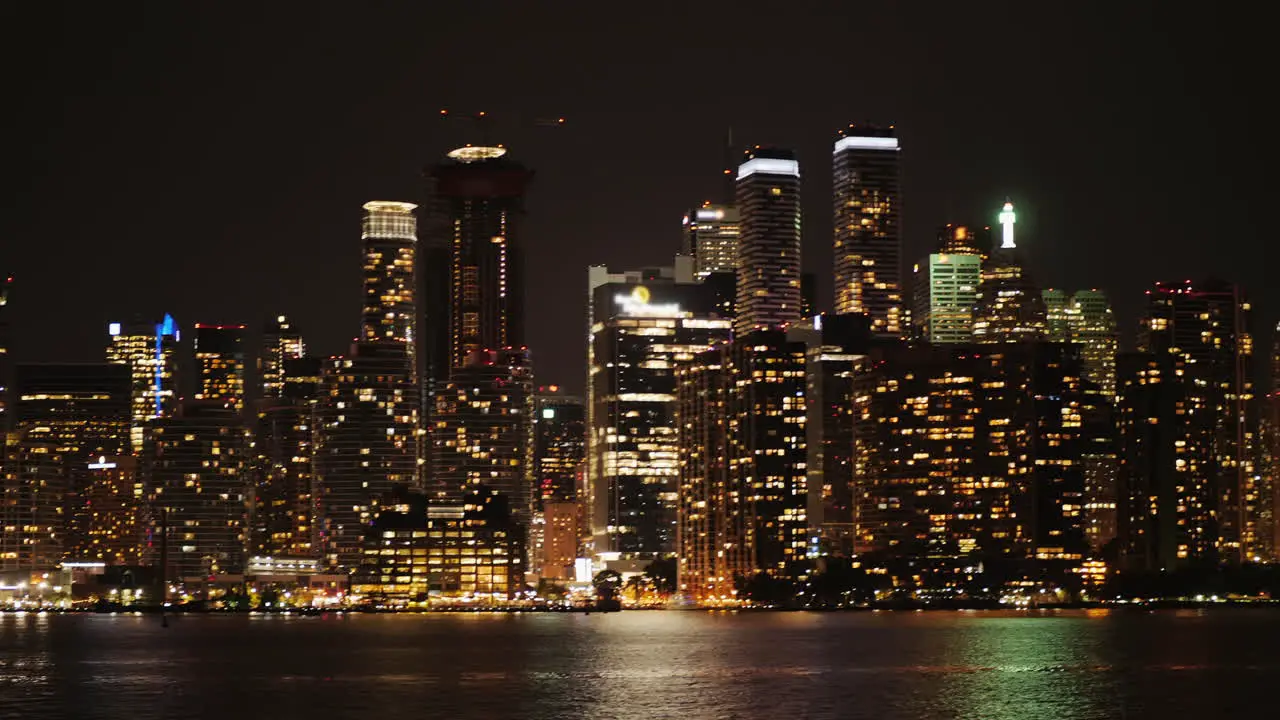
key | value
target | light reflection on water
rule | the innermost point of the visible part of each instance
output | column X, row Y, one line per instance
column 1089, row 664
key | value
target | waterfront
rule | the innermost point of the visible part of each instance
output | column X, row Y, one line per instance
column 1068, row 664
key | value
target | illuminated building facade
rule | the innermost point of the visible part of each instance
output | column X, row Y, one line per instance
column 280, row 343
column 946, row 287
column 481, row 430
column 768, row 198
column 1208, row 324
column 65, row 416
column 6, row 360
column 197, row 464
column 414, row 552
column 971, row 452
column 285, row 498
column 366, row 442
column 743, row 498
column 559, row 445
column 868, row 227
column 643, row 326
column 1166, row 503
column 1009, row 305
column 560, row 532
column 151, row 352
column 478, row 200
column 219, row 351
column 711, row 239
column 114, row 513
column 389, row 234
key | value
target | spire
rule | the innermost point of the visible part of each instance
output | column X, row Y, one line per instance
column 1007, row 219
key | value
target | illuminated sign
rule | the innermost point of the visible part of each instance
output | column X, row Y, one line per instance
column 710, row 214
column 102, row 464
column 637, row 303
column 548, row 414
column 113, row 329
column 866, row 143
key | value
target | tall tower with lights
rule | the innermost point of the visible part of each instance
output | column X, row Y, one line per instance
column 1009, row 305
column 768, row 195
column 219, row 351
column 280, row 343
column 390, row 237
column 868, row 227
column 150, row 349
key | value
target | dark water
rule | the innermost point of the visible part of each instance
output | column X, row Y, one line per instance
column 887, row 666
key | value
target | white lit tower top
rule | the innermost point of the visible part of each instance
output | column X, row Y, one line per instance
column 1007, row 219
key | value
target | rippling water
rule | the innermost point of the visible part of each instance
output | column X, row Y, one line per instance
column 887, row 666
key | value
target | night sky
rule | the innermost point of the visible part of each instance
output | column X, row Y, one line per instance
column 211, row 161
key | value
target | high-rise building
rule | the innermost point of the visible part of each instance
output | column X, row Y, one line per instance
column 809, row 305
column 643, row 325
column 65, row 416
column 768, row 199
column 1208, row 324
column 479, row 197
column 946, row 287
column 219, row 351
column 280, row 343
column 390, row 238
column 1009, row 305
column 197, row 463
column 711, row 239
column 150, row 350
column 743, row 494
column 6, row 359
column 559, row 445
column 114, row 513
column 285, row 498
column 366, row 442
column 481, row 430
column 971, row 452
column 868, row 227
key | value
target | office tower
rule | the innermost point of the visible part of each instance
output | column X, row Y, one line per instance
column 1085, row 318
column 479, row 198
column 6, row 359
column 561, row 531
column 389, row 235
column 1208, row 324
column 280, row 343
column 643, row 325
column 115, row 513
column 151, row 352
column 724, row 286
column 946, row 287
column 284, row 501
column 711, row 239
column 197, row 463
column 743, row 494
column 64, row 416
column 559, row 444
column 219, row 351
column 481, row 430
column 868, row 227
column 435, row 344
column 366, row 442
column 968, row 454
column 1270, row 455
column 835, row 349
column 809, row 295
column 768, row 198
column 1009, row 305
column 1167, row 501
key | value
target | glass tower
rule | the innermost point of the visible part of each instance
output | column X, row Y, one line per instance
column 711, row 239
column 150, row 350
column 868, row 227
column 390, row 238
column 768, row 198
column 219, row 351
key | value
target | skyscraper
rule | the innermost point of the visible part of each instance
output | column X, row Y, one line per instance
column 1009, row 305
column 285, row 497
column 1085, row 318
column 219, row 351
column 366, row 442
column 65, row 416
column 711, row 238
column 479, row 198
column 390, row 237
column 1208, row 324
column 768, row 198
column 868, row 232
column 946, row 287
column 481, row 430
column 114, row 513
column 150, row 349
column 280, row 343
column 197, row 462
column 559, row 444
column 643, row 326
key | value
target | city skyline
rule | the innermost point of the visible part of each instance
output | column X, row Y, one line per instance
column 302, row 198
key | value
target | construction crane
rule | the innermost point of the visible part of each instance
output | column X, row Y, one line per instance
column 483, row 122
